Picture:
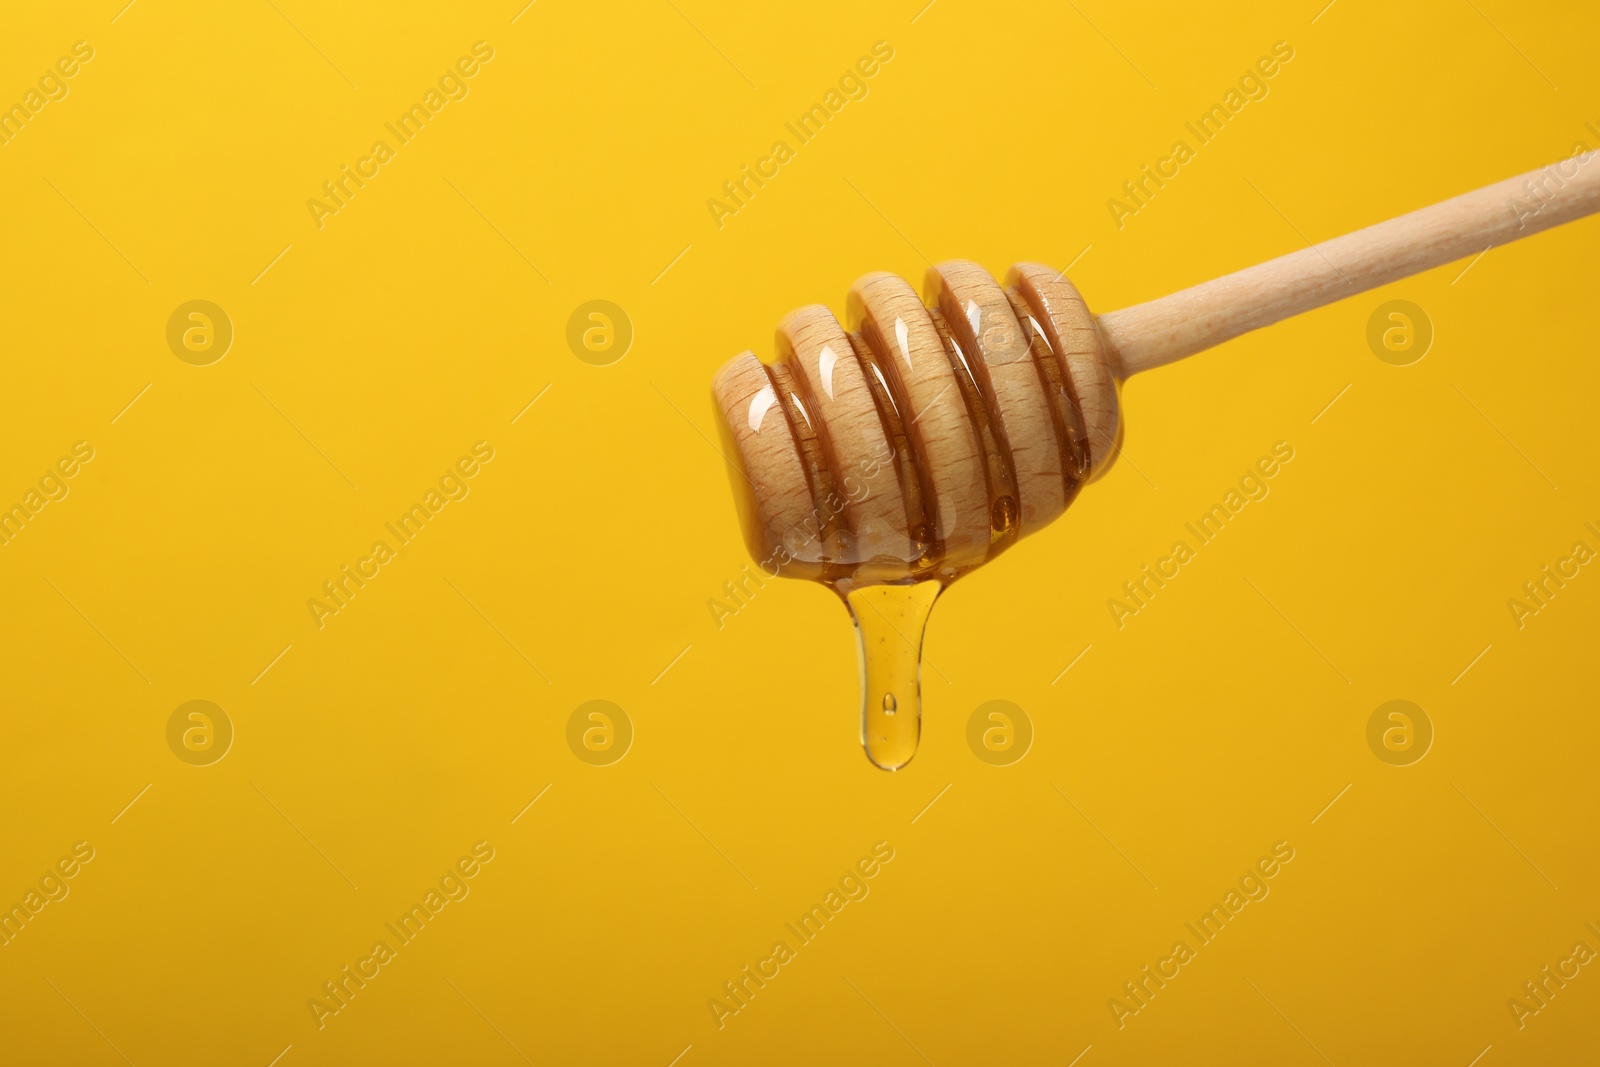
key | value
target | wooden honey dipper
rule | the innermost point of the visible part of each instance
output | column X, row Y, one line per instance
column 889, row 460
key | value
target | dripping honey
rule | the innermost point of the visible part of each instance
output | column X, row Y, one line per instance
column 891, row 596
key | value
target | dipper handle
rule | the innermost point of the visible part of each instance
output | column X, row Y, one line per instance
column 1162, row 331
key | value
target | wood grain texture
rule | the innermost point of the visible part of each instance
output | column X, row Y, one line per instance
column 778, row 504
column 1161, row 331
column 813, row 343
column 893, row 321
column 999, row 357
column 1075, row 337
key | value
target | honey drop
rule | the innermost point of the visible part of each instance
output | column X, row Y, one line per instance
column 889, row 623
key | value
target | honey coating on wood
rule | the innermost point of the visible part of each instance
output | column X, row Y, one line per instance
column 889, row 459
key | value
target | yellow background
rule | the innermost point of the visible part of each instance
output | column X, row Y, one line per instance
column 1173, row 754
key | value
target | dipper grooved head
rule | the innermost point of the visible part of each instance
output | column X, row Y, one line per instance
column 929, row 436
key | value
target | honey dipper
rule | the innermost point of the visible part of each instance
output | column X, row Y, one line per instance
column 888, row 460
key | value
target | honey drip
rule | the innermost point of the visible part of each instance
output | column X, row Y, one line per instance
column 890, row 620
